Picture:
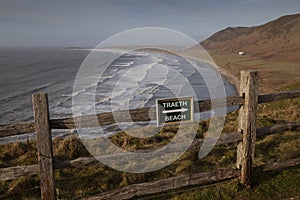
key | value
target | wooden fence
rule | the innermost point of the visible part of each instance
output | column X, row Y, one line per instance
column 246, row 135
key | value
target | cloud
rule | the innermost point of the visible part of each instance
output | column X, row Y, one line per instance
column 71, row 22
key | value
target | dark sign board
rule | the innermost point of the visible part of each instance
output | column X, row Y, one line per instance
column 174, row 110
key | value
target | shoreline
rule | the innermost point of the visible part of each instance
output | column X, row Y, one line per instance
column 234, row 81
column 226, row 75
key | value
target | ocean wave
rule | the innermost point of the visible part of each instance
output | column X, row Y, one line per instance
column 128, row 82
column 26, row 93
column 123, row 64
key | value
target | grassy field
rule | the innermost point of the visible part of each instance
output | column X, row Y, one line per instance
column 80, row 182
column 273, row 74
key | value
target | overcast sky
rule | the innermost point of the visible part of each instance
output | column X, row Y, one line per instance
column 88, row 22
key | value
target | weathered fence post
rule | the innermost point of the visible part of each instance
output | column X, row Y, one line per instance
column 247, row 124
column 44, row 145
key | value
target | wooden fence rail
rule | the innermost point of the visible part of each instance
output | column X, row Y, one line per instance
column 247, row 134
column 203, row 178
column 107, row 118
column 11, row 173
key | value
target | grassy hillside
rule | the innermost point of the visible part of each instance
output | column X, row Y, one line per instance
column 273, row 75
column 85, row 181
column 272, row 48
column 278, row 40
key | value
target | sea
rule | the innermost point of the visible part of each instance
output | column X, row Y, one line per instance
column 133, row 80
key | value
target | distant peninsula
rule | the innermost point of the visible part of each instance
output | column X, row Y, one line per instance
column 76, row 48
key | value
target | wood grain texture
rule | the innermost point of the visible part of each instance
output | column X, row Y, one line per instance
column 12, row 173
column 44, row 146
column 168, row 184
column 279, row 96
column 279, row 165
column 247, row 124
column 277, row 128
column 164, row 185
column 156, row 186
column 136, row 114
column 226, row 138
column 16, row 129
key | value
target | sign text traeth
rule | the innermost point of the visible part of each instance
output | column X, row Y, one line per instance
column 174, row 110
